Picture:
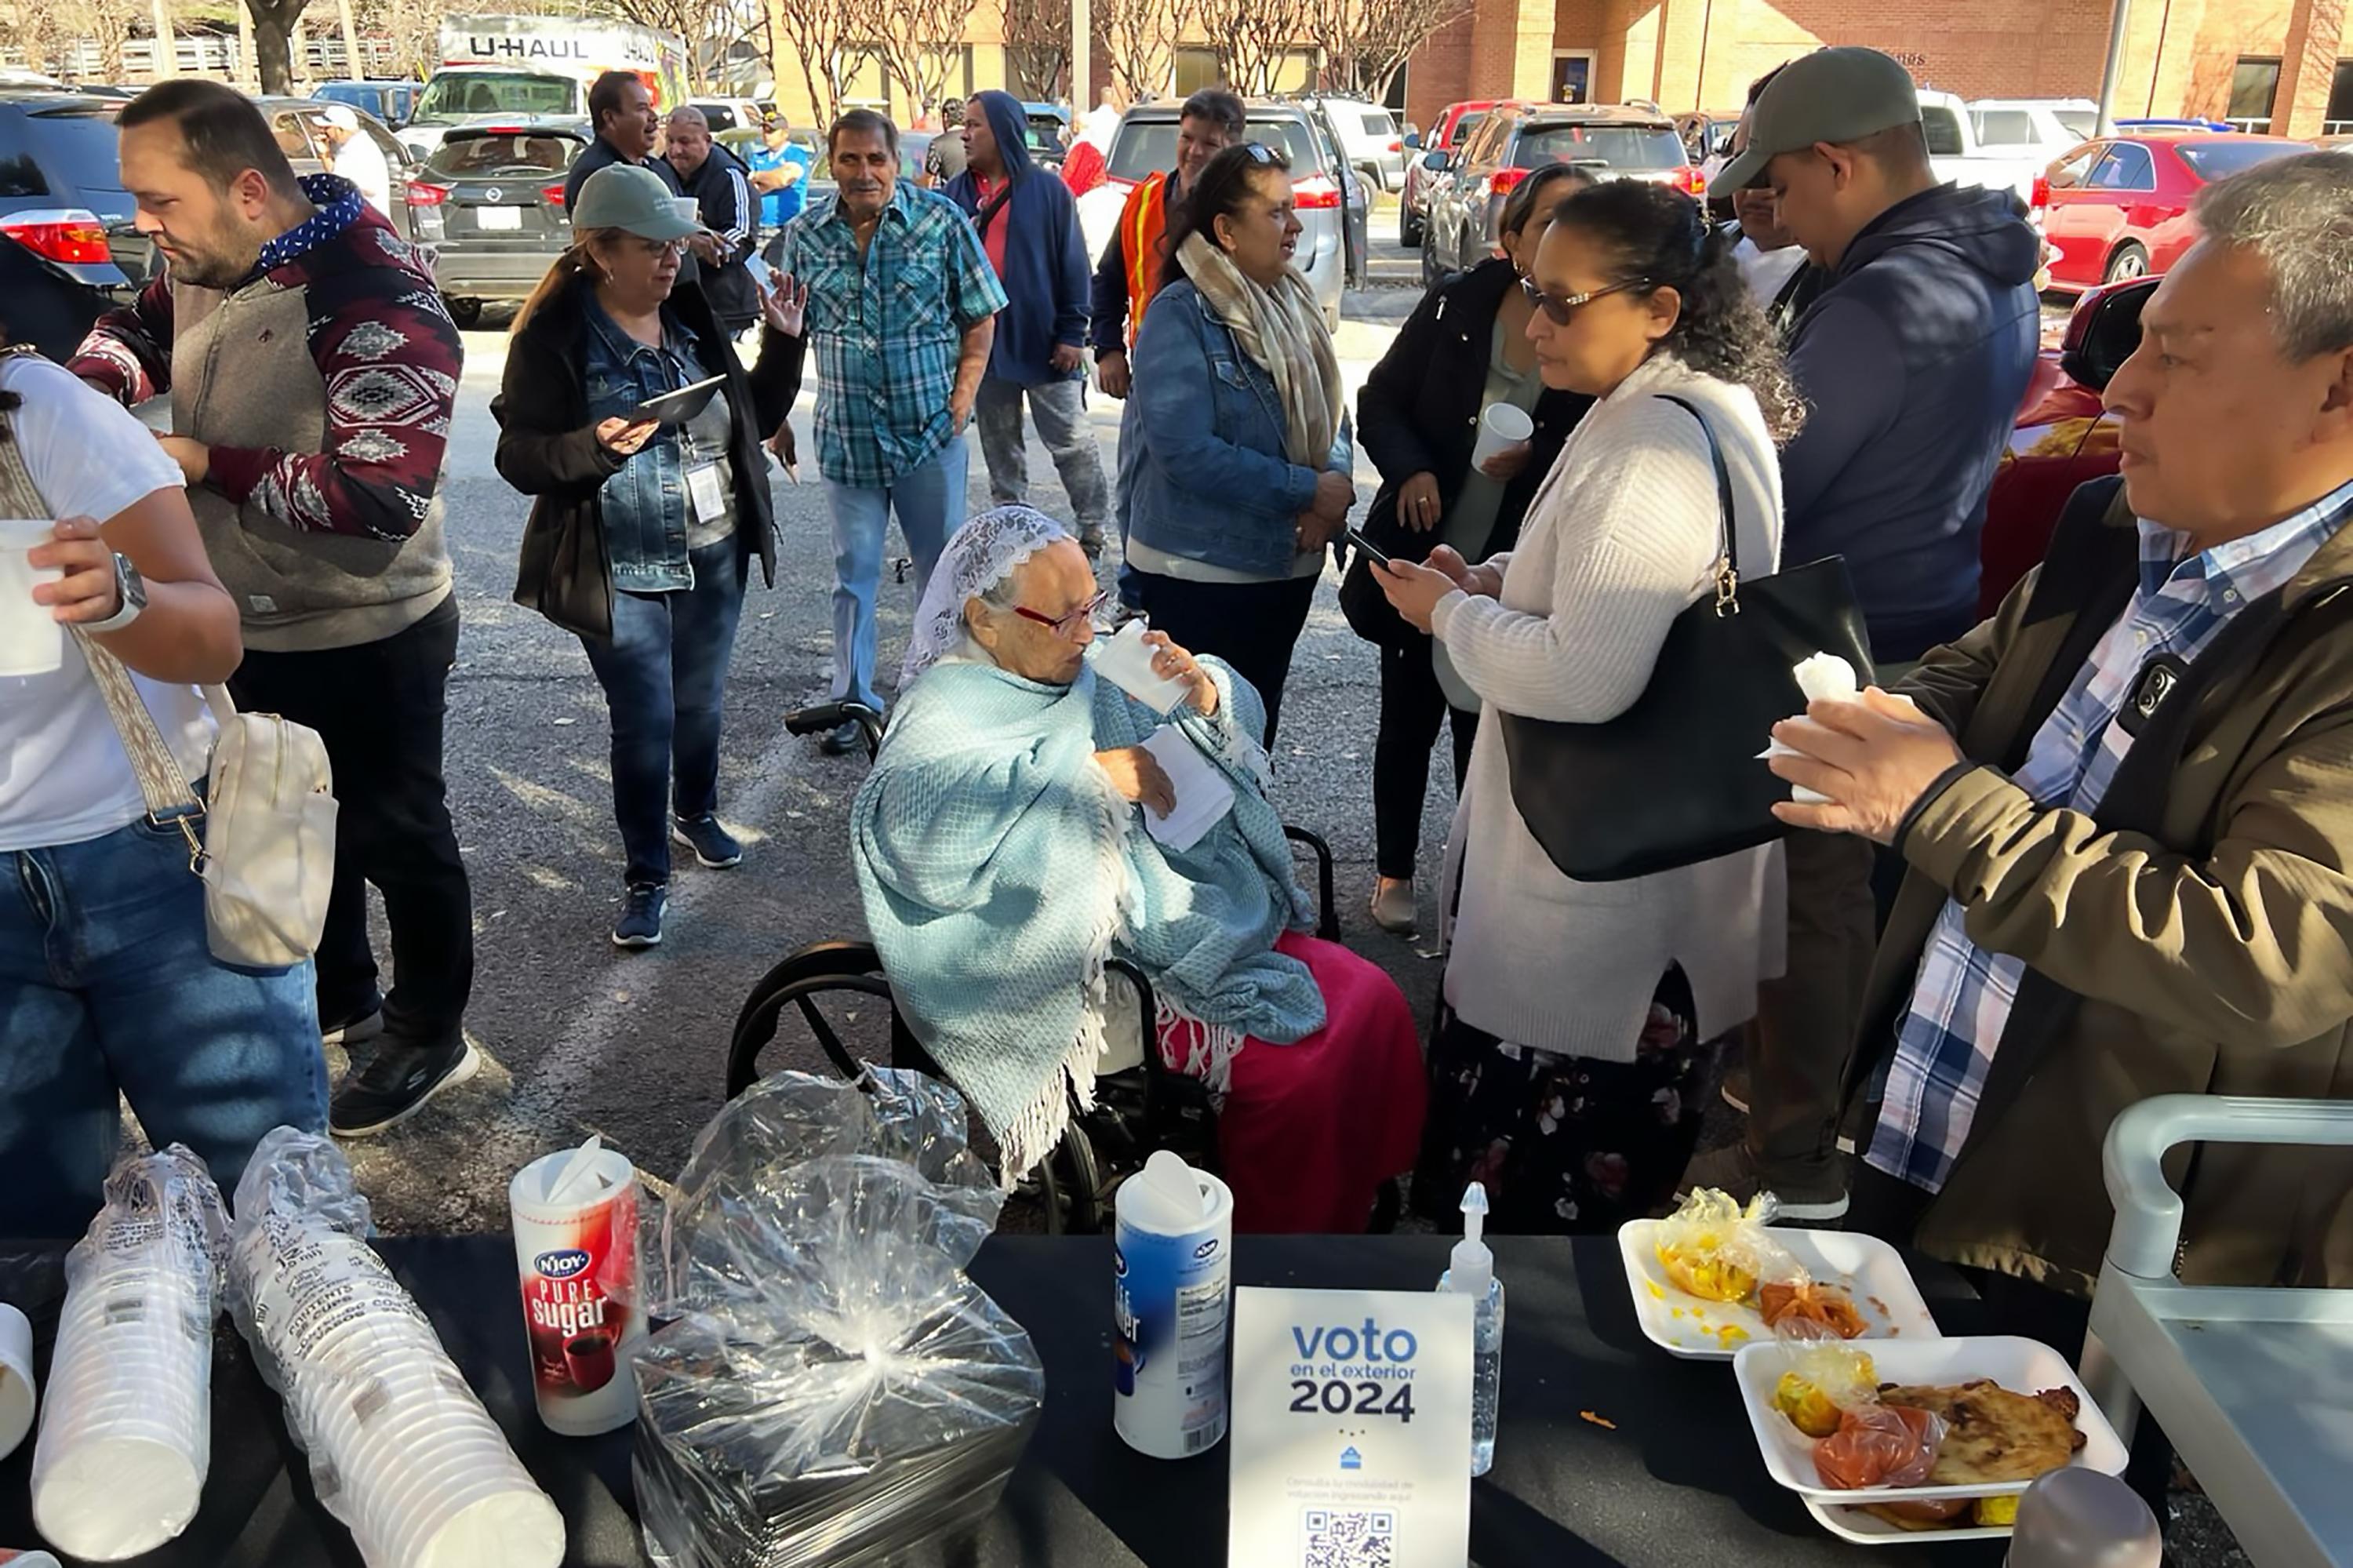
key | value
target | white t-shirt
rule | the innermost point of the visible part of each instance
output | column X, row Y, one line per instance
column 361, row 161
column 64, row 777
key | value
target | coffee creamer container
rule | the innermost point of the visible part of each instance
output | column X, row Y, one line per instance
column 1172, row 1299
column 576, row 1244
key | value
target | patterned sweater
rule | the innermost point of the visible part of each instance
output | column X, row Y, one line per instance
column 321, row 511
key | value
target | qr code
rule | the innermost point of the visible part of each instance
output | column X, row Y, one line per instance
column 1330, row 1538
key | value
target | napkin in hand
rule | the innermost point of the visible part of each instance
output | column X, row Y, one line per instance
column 1823, row 677
column 1124, row 659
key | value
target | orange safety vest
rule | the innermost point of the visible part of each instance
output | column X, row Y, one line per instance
column 1141, row 222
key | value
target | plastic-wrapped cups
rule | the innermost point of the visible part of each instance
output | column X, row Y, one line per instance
column 126, row 1431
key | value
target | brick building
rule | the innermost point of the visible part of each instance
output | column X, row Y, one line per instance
column 2267, row 64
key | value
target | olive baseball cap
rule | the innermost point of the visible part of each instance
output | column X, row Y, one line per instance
column 624, row 195
column 1831, row 95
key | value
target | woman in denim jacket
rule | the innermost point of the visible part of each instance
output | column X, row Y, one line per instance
column 1237, row 428
column 679, row 510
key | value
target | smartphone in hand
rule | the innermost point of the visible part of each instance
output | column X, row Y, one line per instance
column 1378, row 557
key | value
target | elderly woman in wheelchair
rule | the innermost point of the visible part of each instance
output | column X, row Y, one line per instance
column 1004, row 859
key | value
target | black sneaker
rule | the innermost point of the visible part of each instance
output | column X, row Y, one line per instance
column 714, row 845
column 841, row 739
column 396, row 1084
column 1090, row 540
column 365, row 1024
column 641, row 916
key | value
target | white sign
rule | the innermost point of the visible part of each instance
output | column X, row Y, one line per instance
column 1351, row 1439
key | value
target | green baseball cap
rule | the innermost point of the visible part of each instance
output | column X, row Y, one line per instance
column 624, row 195
column 1831, row 95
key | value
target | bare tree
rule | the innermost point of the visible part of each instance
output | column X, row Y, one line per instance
column 1139, row 37
column 274, row 21
column 816, row 33
column 1038, row 47
column 1366, row 43
column 922, row 42
column 1253, row 36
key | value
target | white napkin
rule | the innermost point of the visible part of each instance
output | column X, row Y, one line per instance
column 1204, row 794
column 1823, row 677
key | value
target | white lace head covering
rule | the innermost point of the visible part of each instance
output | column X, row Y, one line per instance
column 981, row 554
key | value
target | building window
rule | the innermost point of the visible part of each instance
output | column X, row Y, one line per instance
column 2340, row 103
column 1197, row 67
column 2255, row 85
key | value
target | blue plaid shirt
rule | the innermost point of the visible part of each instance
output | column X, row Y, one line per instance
column 888, row 328
column 1962, row 1001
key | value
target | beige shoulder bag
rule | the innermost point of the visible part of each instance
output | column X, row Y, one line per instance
column 266, row 851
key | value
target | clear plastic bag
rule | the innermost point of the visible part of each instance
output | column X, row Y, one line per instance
column 833, row 1389
column 1717, row 1250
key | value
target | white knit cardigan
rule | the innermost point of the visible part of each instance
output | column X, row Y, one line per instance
column 1621, row 537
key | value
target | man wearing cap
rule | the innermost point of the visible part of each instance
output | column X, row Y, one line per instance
column 780, row 174
column 353, row 153
column 715, row 182
column 1914, row 359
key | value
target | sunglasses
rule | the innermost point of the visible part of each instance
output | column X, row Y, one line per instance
column 1259, row 152
column 1560, row 308
column 1065, row 625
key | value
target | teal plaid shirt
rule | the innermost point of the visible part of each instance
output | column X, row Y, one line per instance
column 888, row 327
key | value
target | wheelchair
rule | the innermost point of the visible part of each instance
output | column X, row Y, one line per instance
column 1139, row 1107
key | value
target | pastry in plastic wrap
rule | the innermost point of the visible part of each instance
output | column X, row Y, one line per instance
column 833, row 1389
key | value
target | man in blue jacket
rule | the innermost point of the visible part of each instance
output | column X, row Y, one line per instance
column 1029, row 226
column 1914, row 359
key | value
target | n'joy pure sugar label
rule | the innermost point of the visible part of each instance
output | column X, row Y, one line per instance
column 1351, row 1438
column 570, row 1259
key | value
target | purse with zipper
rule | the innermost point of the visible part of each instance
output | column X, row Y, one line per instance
column 263, row 840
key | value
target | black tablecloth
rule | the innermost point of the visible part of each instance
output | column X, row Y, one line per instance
column 1676, row 1482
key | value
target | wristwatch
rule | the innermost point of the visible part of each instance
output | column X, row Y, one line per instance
column 133, row 588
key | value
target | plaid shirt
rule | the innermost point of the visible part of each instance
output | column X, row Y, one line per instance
column 1962, row 1001
column 888, row 328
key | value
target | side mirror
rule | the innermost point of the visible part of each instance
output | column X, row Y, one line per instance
column 1435, row 162
column 2104, row 332
column 1413, row 140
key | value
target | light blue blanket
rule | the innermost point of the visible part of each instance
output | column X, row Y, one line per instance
column 999, row 869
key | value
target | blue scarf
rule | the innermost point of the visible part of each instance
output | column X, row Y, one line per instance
column 1000, row 869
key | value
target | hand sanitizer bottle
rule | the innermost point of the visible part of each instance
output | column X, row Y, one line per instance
column 1472, row 1272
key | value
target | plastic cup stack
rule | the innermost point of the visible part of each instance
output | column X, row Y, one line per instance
column 402, row 1450
column 126, row 1426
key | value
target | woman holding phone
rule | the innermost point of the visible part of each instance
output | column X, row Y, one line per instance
column 1464, row 350
column 668, row 510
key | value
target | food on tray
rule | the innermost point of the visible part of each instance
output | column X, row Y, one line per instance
column 1945, row 1513
column 1832, row 1306
column 1809, row 1409
column 1713, row 1248
column 1992, row 1433
column 1995, row 1513
column 1823, row 1381
column 1879, row 1446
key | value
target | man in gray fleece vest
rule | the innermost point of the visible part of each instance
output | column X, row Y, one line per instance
column 313, row 373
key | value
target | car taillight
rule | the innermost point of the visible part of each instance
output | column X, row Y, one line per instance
column 1396, row 143
column 553, row 195
column 420, row 193
column 1315, row 193
column 2041, row 197
column 1692, row 181
column 1505, row 180
column 68, row 235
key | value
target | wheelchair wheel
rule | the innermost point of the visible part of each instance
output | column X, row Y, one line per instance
column 838, row 993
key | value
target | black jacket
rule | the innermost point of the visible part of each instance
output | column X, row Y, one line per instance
column 548, row 449
column 1420, row 413
column 722, row 195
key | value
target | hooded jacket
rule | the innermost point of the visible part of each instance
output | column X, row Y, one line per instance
column 1914, row 362
column 1045, row 258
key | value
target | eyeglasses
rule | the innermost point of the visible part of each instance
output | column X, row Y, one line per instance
column 1559, row 308
column 1066, row 625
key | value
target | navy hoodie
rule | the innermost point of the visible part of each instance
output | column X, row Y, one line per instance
column 1912, row 363
column 1045, row 255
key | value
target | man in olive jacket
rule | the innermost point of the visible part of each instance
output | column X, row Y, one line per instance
column 2126, row 801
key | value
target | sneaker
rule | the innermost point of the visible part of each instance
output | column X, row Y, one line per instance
column 396, row 1084
column 1803, row 1195
column 1090, row 540
column 1392, row 905
column 714, row 845
column 641, row 915
column 841, row 739
column 362, row 1026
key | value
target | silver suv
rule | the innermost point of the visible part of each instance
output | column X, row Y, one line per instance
column 1466, row 199
column 1331, row 197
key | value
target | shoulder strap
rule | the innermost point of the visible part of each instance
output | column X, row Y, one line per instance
column 160, row 783
column 1728, row 581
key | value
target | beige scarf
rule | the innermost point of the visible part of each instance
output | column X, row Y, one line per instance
column 1282, row 328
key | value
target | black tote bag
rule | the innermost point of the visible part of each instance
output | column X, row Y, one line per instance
column 1676, row 779
column 561, row 571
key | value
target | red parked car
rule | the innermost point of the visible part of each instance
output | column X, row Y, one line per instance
column 1454, row 122
column 2119, row 206
column 2062, row 437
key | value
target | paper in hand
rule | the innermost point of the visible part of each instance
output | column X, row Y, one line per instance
column 1204, row 793
column 1823, row 677
column 1124, row 659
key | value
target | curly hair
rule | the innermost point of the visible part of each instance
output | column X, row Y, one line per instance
column 1659, row 234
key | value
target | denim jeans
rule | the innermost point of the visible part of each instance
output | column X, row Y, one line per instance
column 106, row 987
column 1061, row 409
column 930, row 502
column 663, row 671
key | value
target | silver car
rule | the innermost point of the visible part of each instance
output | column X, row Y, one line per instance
column 1327, row 192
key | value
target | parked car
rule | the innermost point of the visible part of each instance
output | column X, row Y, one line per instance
column 2119, row 207
column 1708, row 135
column 727, row 113
column 476, row 94
column 300, row 126
column 489, row 203
column 1049, row 132
column 1330, row 199
column 2036, row 128
column 1959, row 158
column 1369, row 135
column 390, row 101
column 2062, row 437
column 1455, row 123
column 1612, row 140
column 72, row 248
